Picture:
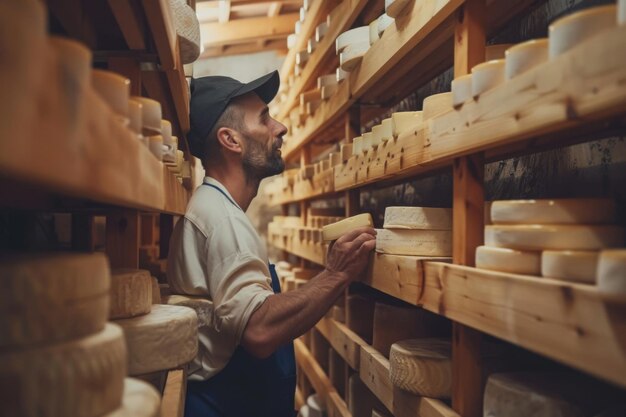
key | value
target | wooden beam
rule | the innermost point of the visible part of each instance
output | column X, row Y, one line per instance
column 224, row 11
column 173, row 403
column 277, row 45
column 247, row 29
column 274, row 9
column 129, row 23
column 122, row 238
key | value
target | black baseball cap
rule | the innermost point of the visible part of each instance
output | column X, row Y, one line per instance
column 210, row 97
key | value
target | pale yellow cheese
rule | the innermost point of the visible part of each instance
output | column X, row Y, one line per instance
column 569, row 31
column 357, row 145
column 80, row 378
column 414, row 242
column 554, row 211
column 428, row 218
column 524, row 56
column 487, row 76
column 359, row 35
column 386, row 129
column 131, row 293
column 52, row 298
column 436, row 104
column 113, row 88
column 612, row 271
column 140, row 399
column 164, row 339
column 404, row 121
column 351, row 56
column 336, row 230
column 508, row 260
column 577, row 266
column 554, row 237
column 461, row 89
column 367, row 141
column 151, row 115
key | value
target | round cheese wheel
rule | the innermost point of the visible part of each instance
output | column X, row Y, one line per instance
column 164, row 339
column 360, row 35
column 135, row 114
column 414, row 242
column 187, row 29
column 425, row 218
column 554, row 237
column 52, row 298
column 113, row 88
column 151, row 115
column 201, row 305
column 575, row 28
column 422, row 366
column 155, row 144
column 81, row 378
column 486, row 76
column 524, row 56
column 352, row 54
column 577, row 266
column 461, row 89
column 139, row 399
column 436, row 104
column 131, row 293
column 621, row 12
column 554, row 211
column 612, row 271
column 508, row 260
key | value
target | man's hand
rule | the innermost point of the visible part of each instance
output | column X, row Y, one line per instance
column 349, row 254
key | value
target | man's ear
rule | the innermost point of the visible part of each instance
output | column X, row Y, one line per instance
column 229, row 139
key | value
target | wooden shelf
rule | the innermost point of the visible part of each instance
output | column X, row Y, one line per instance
column 173, row 402
column 311, row 251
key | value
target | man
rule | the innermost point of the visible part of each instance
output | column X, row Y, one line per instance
column 245, row 366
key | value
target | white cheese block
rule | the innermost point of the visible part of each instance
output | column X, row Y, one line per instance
column 320, row 31
column 357, row 145
column 113, row 88
column 374, row 32
column 486, row 76
column 377, row 136
column 577, row 266
column 386, row 130
column 554, row 237
column 394, row 7
column 52, row 298
column 576, row 28
column 406, row 120
column 164, row 339
column 81, row 378
column 461, row 89
column 291, row 40
column 151, row 115
column 351, row 56
column 166, row 132
column 336, row 230
column 422, row 366
column 508, row 260
column 414, row 242
column 140, row 399
column 524, row 56
column 367, row 142
column 612, row 271
column 360, row 35
column 562, row 211
column 131, row 293
column 436, row 104
column 384, row 21
column 187, row 29
column 427, row 218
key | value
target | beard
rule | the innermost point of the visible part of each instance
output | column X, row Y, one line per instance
column 259, row 162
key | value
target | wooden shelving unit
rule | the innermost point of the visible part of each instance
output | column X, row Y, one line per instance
column 556, row 104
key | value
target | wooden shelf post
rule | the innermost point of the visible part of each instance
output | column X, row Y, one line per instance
column 122, row 238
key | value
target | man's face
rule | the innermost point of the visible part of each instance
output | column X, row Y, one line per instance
column 263, row 138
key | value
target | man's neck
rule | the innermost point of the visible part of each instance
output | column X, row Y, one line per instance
column 241, row 188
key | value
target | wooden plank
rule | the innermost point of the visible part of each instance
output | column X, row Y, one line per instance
column 161, row 26
column 343, row 340
column 173, row 402
column 244, row 48
column 129, row 22
column 243, row 30
column 374, row 372
column 569, row 323
column 122, row 238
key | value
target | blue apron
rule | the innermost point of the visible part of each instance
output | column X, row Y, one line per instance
column 247, row 386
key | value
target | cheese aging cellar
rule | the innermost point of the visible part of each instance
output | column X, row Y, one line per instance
column 313, row 208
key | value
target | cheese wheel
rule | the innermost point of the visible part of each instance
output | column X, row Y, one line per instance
column 156, row 291
column 577, row 266
column 520, row 58
column 351, row 56
column 140, row 399
column 135, row 114
column 113, row 88
column 360, row 35
column 336, row 230
column 561, row 211
column 386, row 130
column 422, row 366
column 81, row 378
column 187, row 29
column 341, row 74
column 414, row 242
column 52, row 298
column 425, row 218
column 612, row 271
column 373, row 26
column 367, row 141
column 131, row 293
column 436, row 104
column 554, row 237
column 621, row 12
column 461, row 89
column 508, row 260
column 408, row 120
column 486, row 76
column 151, row 115
column 383, row 22
column 394, row 7
column 166, row 132
column 572, row 30
column 164, row 339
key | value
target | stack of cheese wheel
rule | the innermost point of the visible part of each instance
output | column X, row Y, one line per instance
column 152, row 128
column 554, row 238
column 58, row 355
column 418, row 231
column 158, row 337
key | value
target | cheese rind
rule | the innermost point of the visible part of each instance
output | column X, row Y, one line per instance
column 612, row 271
column 436, row 104
column 425, row 218
column 508, row 260
column 336, row 230
column 131, row 293
column 139, row 399
column 487, row 75
column 554, row 237
column 577, row 266
column 81, row 378
column 422, row 366
column 52, row 298
column 164, row 339
column 360, row 35
column 414, row 242
column 351, row 56
column 561, row 211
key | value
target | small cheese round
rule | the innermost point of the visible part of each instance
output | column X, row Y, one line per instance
column 113, row 88
column 554, row 211
column 131, row 293
column 414, row 242
column 461, row 89
column 352, row 54
column 508, row 260
column 577, row 266
column 524, row 56
column 135, row 114
column 359, row 35
column 139, row 399
column 436, row 104
column 573, row 29
column 151, row 115
column 486, row 76
column 612, row 271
